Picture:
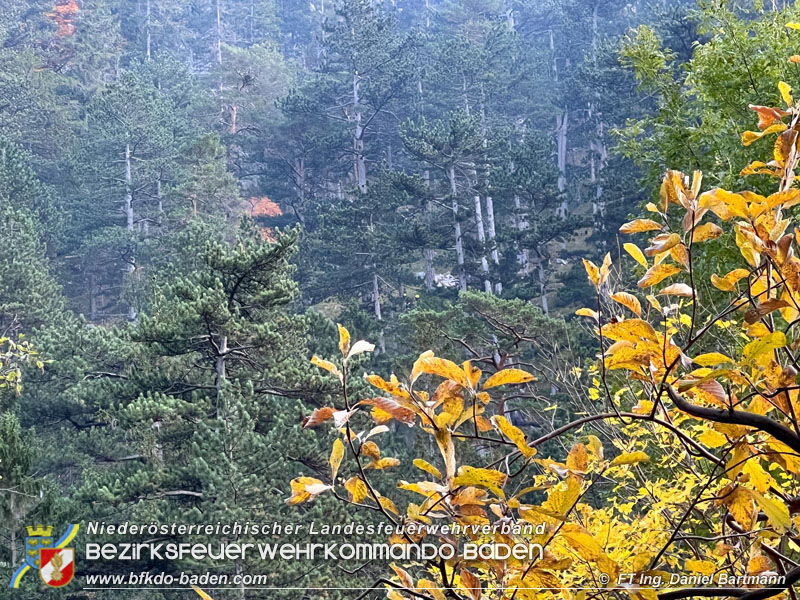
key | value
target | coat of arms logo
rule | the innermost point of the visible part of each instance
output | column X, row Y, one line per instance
column 52, row 558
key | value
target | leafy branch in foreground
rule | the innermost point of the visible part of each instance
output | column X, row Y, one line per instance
column 700, row 407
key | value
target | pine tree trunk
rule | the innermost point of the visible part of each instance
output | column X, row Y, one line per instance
column 358, row 139
column 147, row 33
column 300, row 185
column 490, row 223
column 487, row 283
column 222, row 353
column 598, row 146
column 462, row 275
column 92, row 297
column 521, row 221
column 562, row 123
column 160, row 198
column 219, row 33
column 239, row 571
column 12, row 525
column 131, row 265
column 543, row 285
column 430, row 253
column 376, row 295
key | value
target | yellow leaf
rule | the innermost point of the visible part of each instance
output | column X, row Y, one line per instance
column 403, row 576
column 470, row 583
column 448, row 450
column 304, row 489
column 758, row 564
column 327, row 365
column 434, row 590
column 357, row 489
column 701, row 566
column 786, row 93
column 416, row 371
column 605, row 268
column 578, row 458
column 657, row 273
column 707, row 231
column 712, row 438
column 748, row 137
column 777, row 512
column 508, row 376
column 587, row 312
column 639, row 226
column 392, row 386
column 793, row 25
column 424, row 465
column 370, row 450
column 631, row 330
column 344, row 340
column 628, row 357
column 488, row 478
column 726, row 204
column 337, row 453
column 636, row 253
column 387, row 504
column 201, row 593
column 444, row 368
column 712, row 359
column 582, row 541
column 514, row 434
column 563, row 497
column 630, row 458
column 629, row 301
column 662, row 243
column 596, row 447
column 592, row 271
column 765, row 344
column 384, row 463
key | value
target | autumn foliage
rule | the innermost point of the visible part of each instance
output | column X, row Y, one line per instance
column 63, row 14
column 689, row 464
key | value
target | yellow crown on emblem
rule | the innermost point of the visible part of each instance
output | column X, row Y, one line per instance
column 39, row 531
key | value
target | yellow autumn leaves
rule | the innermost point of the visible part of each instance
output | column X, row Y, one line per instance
column 440, row 415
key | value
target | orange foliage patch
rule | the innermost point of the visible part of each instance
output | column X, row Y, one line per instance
column 268, row 234
column 62, row 14
column 261, row 206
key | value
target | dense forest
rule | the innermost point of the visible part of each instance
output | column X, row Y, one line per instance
column 199, row 196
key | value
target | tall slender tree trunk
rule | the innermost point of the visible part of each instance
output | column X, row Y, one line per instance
column 129, row 223
column 521, row 222
column 462, row 275
column 598, row 146
column 542, row 273
column 430, row 253
column 12, row 525
column 219, row 33
column 358, row 138
column 376, row 299
column 300, row 189
column 220, row 370
column 562, row 126
column 92, row 297
column 160, row 199
column 147, row 32
column 376, row 294
column 487, row 282
column 490, row 221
